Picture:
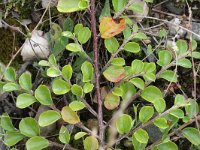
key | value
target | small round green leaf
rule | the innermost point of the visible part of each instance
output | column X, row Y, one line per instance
column 168, row 145
column 111, row 101
column 87, row 71
column 192, row 134
column 29, row 127
column 10, row 74
column 79, row 135
column 137, row 66
column 43, row 95
column 132, row 47
column 182, row 46
column 90, row 143
column 77, row 90
column 25, row 81
column 159, row 105
column 64, row 135
column 146, row 113
column 169, row 75
column 69, row 115
column 114, row 73
column 53, row 72
column 186, row 63
column 48, row 117
column 151, row 93
column 73, row 47
column 12, row 137
column 60, row 87
column 139, row 83
column 111, row 44
column 84, row 35
column 37, row 143
column 124, row 124
column 165, row 57
column 77, row 105
column 10, row 86
column 141, row 135
column 177, row 113
column 118, row 61
column 67, row 72
column 24, row 100
column 161, row 123
column 6, row 122
column 88, row 87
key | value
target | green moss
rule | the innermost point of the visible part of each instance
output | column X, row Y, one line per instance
column 10, row 42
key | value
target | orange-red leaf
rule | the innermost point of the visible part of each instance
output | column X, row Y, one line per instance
column 110, row 27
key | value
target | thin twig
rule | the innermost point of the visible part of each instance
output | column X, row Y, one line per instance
column 97, row 74
column 67, row 146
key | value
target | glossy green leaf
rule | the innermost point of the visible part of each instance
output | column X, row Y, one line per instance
column 111, row 101
column 179, row 100
column 168, row 145
column 140, row 35
column 151, row 93
column 136, row 7
column 190, row 109
column 52, row 59
column 73, row 47
column 64, row 135
column 67, row 72
column 127, row 32
column 117, row 91
column 159, row 105
column 25, row 81
column 192, row 134
column 182, row 46
column 161, row 123
column 29, row 127
column 149, row 67
column 68, row 34
column 118, row 5
column 53, row 72
column 137, row 66
column 128, row 90
column 77, row 105
column 169, row 75
column 48, row 117
column 114, row 73
column 43, row 95
column 106, row 10
column 111, row 44
column 186, row 63
column 69, row 115
column 67, row 6
column 37, row 143
column 165, row 57
column 118, row 61
column 10, row 74
column 139, row 83
column 78, row 28
column 149, row 77
column 132, row 47
column 87, row 71
column 84, row 35
column 77, row 90
column 141, row 135
column 177, row 113
column 6, row 122
column 137, row 145
column 124, row 124
column 79, row 135
column 44, row 63
column 24, row 100
column 10, row 86
column 12, row 137
column 146, row 112
column 60, row 87
column 91, row 143
column 196, row 55
column 88, row 87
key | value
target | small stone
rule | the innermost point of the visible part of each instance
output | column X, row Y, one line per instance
column 35, row 47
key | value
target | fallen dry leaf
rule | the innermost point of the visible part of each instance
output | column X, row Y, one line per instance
column 110, row 27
